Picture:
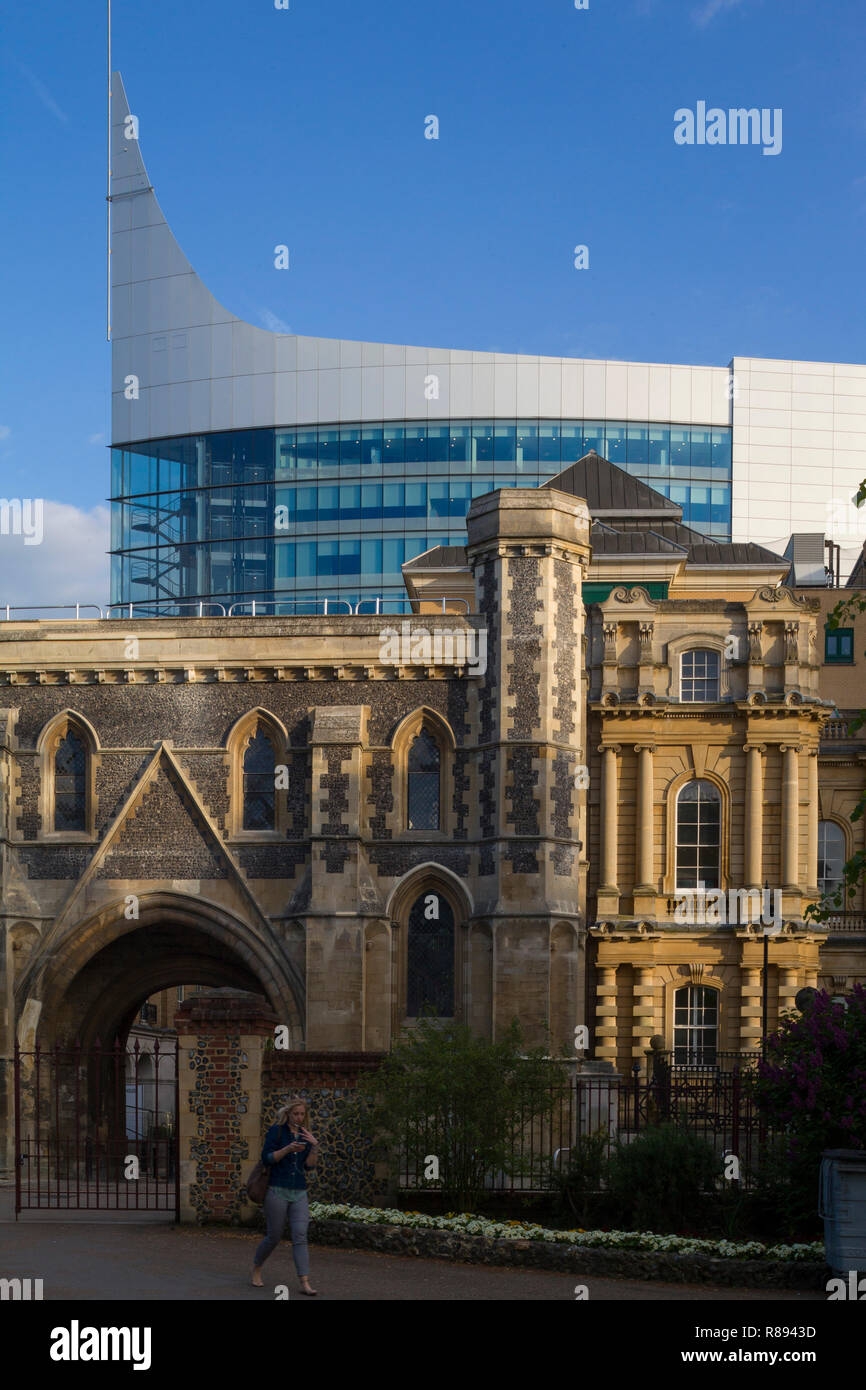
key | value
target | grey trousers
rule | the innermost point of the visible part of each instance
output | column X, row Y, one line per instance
column 299, row 1220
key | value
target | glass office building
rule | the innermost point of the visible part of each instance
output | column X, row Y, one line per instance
column 335, row 510
column 251, row 464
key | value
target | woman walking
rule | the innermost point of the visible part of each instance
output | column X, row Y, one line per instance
column 289, row 1150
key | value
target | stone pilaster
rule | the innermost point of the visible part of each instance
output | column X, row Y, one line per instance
column 790, row 817
column 753, row 827
column 645, row 887
column 334, row 927
column 608, row 892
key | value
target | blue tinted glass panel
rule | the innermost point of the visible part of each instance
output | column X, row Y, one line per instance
column 285, row 498
column 570, row 443
column 527, row 444
column 392, row 555
column 461, row 444
column 614, row 449
column 415, row 443
column 482, row 441
column 659, row 447
column 328, row 558
column 350, row 502
column 460, row 496
column 350, row 447
column 143, row 472
column 438, row 495
column 284, row 562
column 307, row 449
column 305, row 559
column 416, row 499
column 438, row 443
column 392, row 499
column 371, row 446
column 329, row 503
column 371, row 558
column 548, row 447
column 637, row 445
column 306, row 503
column 593, row 436
column 371, row 501
column 701, row 448
column 680, row 448
column 329, row 447
column 350, row 557
column 504, row 443
column 392, row 452
column 721, row 450
column 286, row 453
column 118, row 486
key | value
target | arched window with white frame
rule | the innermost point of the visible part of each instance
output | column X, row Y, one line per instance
column 698, row 837
column 699, row 676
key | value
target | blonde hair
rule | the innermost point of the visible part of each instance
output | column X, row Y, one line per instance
column 285, row 1110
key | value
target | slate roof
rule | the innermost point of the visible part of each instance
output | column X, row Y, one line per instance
column 628, row 518
column 608, row 489
column 438, row 558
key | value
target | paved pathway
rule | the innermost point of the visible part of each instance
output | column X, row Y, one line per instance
column 129, row 1260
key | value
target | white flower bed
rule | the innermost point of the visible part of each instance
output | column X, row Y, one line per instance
column 467, row 1224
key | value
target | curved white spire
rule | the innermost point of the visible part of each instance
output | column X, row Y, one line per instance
column 200, row 368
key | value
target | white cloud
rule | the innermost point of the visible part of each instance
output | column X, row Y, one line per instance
column 69, row 566
column 98, row 438
column 272, row 322
column 5, row 431
column 708, row 11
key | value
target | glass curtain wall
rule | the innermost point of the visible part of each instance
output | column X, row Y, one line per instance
column 334, row 511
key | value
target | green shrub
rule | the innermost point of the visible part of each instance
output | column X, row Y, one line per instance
column 661, row 1180
column 578, row 1184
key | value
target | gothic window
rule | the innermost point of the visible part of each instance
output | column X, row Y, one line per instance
column 430, row 957
column 831, row 856
column 696, row 1026
column 259, row 790
column 698, row 836
column 70, row 783
column 423, row 773
column 699, row 676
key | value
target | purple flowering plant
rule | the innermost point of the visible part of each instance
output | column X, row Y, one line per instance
column 813, row 1082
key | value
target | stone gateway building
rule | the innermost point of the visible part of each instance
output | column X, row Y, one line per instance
column 542, row 793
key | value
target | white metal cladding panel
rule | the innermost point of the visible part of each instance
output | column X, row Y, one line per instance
column 616, row 390
column 231, row 374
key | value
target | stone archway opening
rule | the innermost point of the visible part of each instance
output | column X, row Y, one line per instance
column 76, row 1006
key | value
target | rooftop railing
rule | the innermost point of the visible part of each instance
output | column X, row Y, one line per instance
column 246, row 608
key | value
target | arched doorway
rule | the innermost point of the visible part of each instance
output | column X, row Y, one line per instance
column 74, row 1079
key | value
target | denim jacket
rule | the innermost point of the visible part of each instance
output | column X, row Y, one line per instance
column 290, row 1170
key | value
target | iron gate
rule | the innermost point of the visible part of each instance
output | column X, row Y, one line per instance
column 97, row 1129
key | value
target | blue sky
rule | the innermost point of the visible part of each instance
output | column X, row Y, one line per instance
column 306, row 127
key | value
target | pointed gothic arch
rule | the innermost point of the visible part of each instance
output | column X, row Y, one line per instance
column 257, row 747
column 68, row 756
column 423, row 752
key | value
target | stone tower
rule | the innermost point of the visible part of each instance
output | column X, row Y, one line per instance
column 528, row 549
